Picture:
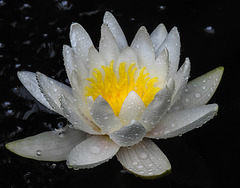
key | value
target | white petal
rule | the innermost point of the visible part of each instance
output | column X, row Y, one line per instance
column 92, row 152
column 179, row 122
column 158, row 107
column 47, row 146
column 96, row 61
column 129, row 135
column 30, row 82
column 116, row 30
column 132, row 108
column 160, row 68
column 52, row 90
column 69, row 61
column 108, row 47
column 180, row 79
column 172, row 43
column 76, row 117
column 80, row 41
column 128, row 56
column 144, row 159
column 200, row 90
column 143, row 47
column 158, row 36
column 104, row 117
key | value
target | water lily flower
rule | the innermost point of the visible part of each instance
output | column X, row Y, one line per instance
column 121, row 97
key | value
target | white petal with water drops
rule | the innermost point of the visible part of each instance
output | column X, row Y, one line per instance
column 52, row 90
column 200, row 90
column 108, row 47
column 172, row 43
column 144, row 159
column 132, row 108
column 116, row 30
column 143, row 47
column 30, row 82
column 129, row 134
column 93, row 151
column 179, row 122
column 158, row 36
column 104, row 117
column 47, row 146
column 158, row 107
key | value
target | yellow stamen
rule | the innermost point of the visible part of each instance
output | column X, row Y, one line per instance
column 115, row 89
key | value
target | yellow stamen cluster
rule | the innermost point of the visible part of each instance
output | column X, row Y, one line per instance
column 114, row 89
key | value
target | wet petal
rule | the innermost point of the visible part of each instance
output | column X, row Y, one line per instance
column 30, row 82
column 200, row 90
column 108, row 47
column 158, row 107
column 104, row 117
column 129, row 134
column 52, row 90
column 80, row 41
column 143, row 47
column 158, row 36
column 144, row 159
column 172, row 43
column 179, row 122
column 160, row 68
column 76, row 118
column 181, row 79
column 92, row 152
column 47, row 146
column 116, row 30
column 96, row 61
column 132, row 108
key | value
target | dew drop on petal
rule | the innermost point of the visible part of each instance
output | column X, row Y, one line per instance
column 95, row 150
column 198, row 95
column 143, row 155
column 39, row 152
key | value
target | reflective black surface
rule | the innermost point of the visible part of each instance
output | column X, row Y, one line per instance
column 32, row 34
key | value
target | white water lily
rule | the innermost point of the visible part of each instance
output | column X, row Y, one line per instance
column 120, row 97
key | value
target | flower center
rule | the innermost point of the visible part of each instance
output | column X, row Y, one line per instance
column 114, row 89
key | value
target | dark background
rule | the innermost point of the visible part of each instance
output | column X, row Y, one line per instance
column 32, row 34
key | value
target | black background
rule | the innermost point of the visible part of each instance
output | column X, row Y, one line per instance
column 32, row 34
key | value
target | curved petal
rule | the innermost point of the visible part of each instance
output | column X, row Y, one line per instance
column 52, row 90
column 30, row 82
column 160, row 67
column 108, row 47
column 200, row 90
column 128, row 56
column 104, row 117
column 129, row 134
column 132, row 108
column 96, row 61
column 179, row 122
column 172, row 43
column 144, row 159
column 47, row 146
column 143, row 47
column 92, row 152
column 80, row 42
column 116, row 30
column 158, row 107
column 180, row 79
column 76, row 118
column 158, row 36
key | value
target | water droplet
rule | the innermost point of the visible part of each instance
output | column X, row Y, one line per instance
column 39, row 152
column 106, row 117
column 143, row 155
column 95, row 150
column 186, row 90
column 135, row 163
column 140, row 166
column 187, row 100
column 173, row 125
column 198, row 95
column 204, row 87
